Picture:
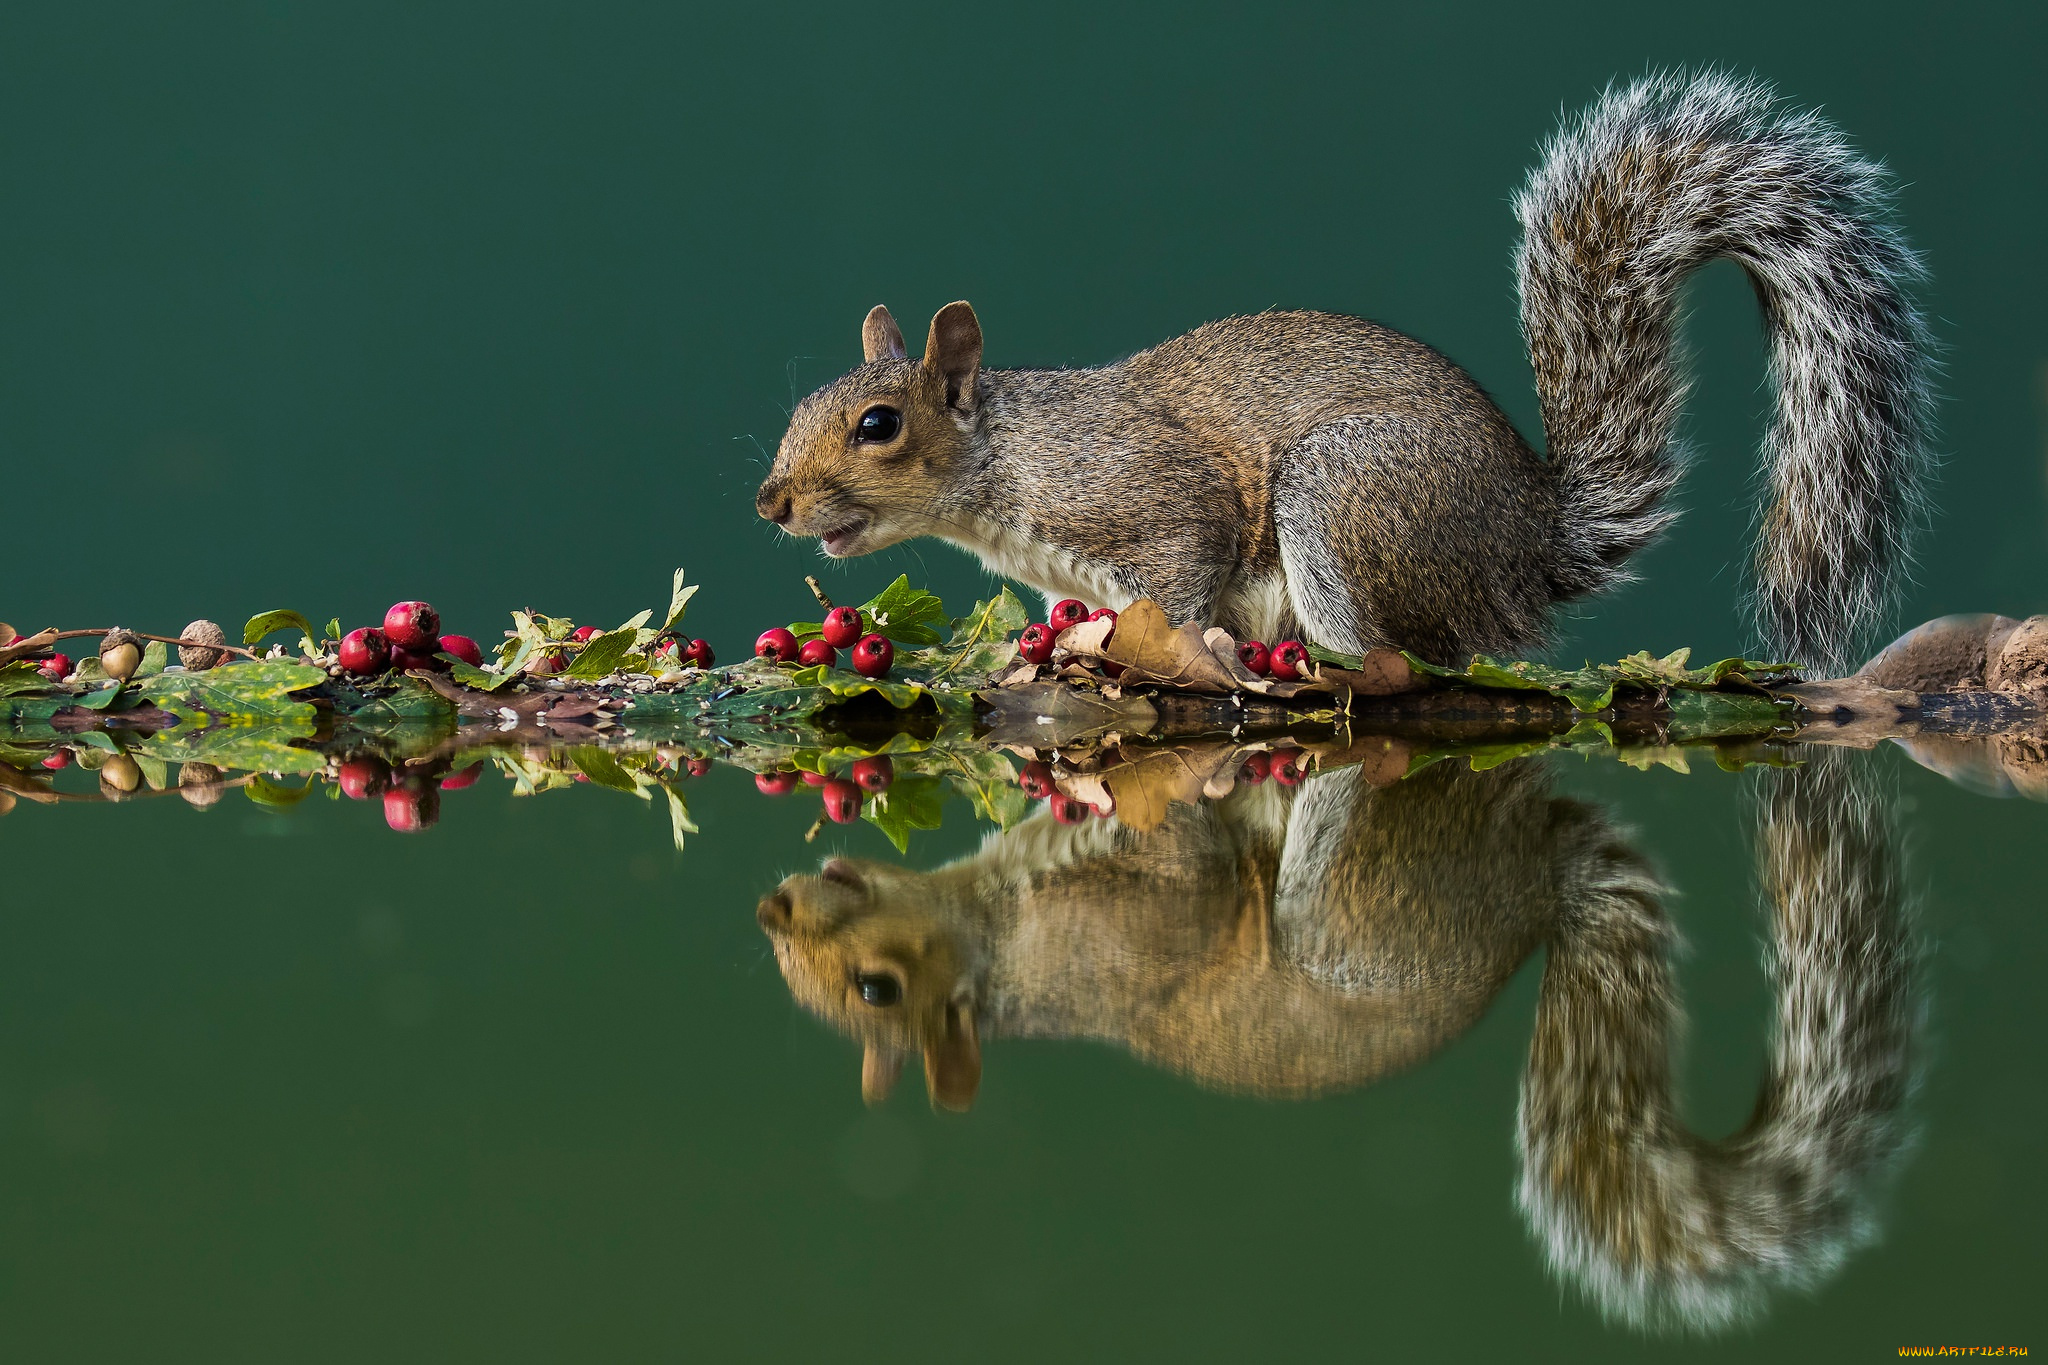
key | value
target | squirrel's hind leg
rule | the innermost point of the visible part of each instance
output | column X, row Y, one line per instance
column 1429, row 536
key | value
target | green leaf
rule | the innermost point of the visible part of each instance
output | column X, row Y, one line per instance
column 678, row 809
column 980, row 644
column 155, row 659
column 469, row 675
column 243, row 694
column 264, row 624
column 915, row 802
column 249, row 748
column 602, row 769
column 22, row 677
column 905, row 614
column 678, row 602
column 603, row 655
column 102, row 699
column 275, row 795
column 334, row 628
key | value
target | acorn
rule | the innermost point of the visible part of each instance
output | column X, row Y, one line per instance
column 120, row 655
column 199, row 783
column 197, row 658
column 120, row 774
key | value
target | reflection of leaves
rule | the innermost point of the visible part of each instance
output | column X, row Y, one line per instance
column 601, row 768
column 1592, row 687
column 253, row 748
column 1155, row 778
column 1707, row 715
column 410, row 702
column 678, row 810
column 915, row 802
column 275, row 795
column 841, row 682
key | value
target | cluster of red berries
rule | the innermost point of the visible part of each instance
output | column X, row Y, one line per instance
column 1034, row 646
column 841, row 795
column 412, row 800
column 1285, row 661
column 844, row 628
column 1038, row 782
column 409, row 638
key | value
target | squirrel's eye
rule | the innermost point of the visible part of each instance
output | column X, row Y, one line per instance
column 877, row 989
column 879, row 423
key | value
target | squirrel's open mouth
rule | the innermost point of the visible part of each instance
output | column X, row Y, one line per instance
column 840, row 540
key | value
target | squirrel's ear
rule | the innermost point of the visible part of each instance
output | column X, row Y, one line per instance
column 952, row 1061
column 954, row 350
column 880, row 1065
column 880, row 337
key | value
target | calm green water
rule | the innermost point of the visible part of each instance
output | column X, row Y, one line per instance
column 500, row 306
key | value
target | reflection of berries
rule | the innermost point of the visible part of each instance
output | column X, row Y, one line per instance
column 1290, row 660
column 874, row 773
column 1288, row 769
column 1257, row 767
column 697, row 767
column 1255, row 657
column 873, row 655
column 1036, row 779
column 777, row 644
column 775, row 784
column 413, row 625
column 59, row 758
column 362, row 778
column 697, row 652
column 1070, row 612
column 463, row 648
column 1068, row 810
column 365, row 650
column 412, row 806
column 843, row 626
column 811, row 779
column 816, row 652
column 455, row 782
column 842, row 801
column 1035, row 644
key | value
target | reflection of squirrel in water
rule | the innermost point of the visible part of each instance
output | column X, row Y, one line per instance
column 1293, row 950
column 1298, row 470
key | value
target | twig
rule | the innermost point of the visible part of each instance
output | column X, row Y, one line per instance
column 38, row 641
column 811, row 582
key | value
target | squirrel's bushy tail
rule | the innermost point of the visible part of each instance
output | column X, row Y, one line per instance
column 1658, row 179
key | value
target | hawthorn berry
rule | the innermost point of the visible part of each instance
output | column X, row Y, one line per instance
column 842, row 801
column 363, row 777
column 697, row 653
column 873, row 655
column 463, row 648
column 413, row 625
column 843, row 626
column 412, row 806
column 365, row 649
column 817, row 652
column 1290, row 660
column 775, row 784
column 1105, row 614
column 56, row 668
column 1071, row 611
column 1256, row 658
column 404, row 660
column 59, row 758
column 1036, row 780
column 1288, row 768
column 456, row 781
column 1034, row 646
column 1068, row 810
column 697, row 767
column 1256, row 768
column 777, row 644
column 583, row 635
column 811, row 779
column 873, row 773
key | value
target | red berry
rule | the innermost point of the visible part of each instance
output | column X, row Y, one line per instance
column 1106, row 808
column 843, row 626
column 1068, row 810
column 1287, row 767
column 817, row 652
column 59, row 758
column 364, row 777
column 811, row 779
column 873, row 655
column 1257, row 768
column 463, row 648
column 413, row 625
column 1070, row 612
column 697, row 652
column 777, row 644
column 56, row 668
column 410, row 807
column 1290, row 660
column 1105, row 614
column 697, row 767
column 584, row 634
column 455, row 782
column 1255, row 657
column 874, row 773
column 365, row 650
column 1035, row 644
column 776, row 784
column 1036, row 779
column 842, row 801
column 406, row 659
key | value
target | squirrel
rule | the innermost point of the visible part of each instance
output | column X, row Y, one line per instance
column 1310, row 473
column 1290, row 946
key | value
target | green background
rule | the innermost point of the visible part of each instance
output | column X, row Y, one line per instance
column 504, row 306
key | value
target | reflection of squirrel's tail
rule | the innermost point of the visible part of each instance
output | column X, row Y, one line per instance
column 1654, row 1223
column 1652, row 182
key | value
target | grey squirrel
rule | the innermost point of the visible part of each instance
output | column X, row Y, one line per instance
column 1303, row 472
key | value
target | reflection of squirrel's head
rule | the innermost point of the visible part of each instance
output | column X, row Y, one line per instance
column 858, row 948
column 868, row 459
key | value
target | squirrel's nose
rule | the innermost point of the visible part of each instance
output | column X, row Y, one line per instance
column 775, row 505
